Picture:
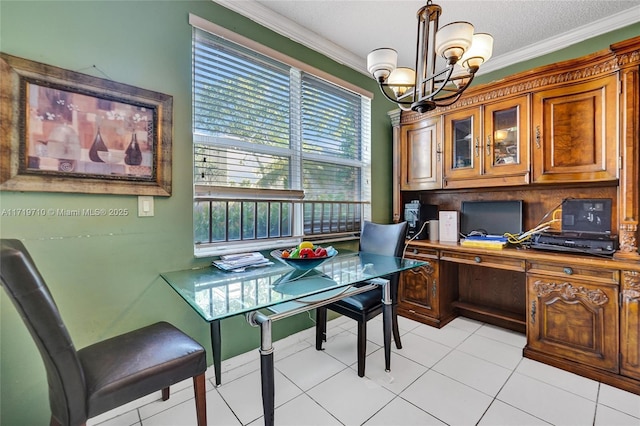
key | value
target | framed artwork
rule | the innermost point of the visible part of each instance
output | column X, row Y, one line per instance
column 64, row 131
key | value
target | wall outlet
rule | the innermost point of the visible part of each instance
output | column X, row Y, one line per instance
column 145, row 206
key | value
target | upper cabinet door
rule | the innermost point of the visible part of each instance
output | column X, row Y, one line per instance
column 487, row 145
column 462, row 145
column 575, row 134
column 420, row 155
column 506, row 137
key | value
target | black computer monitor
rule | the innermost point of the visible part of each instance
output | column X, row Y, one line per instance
column 491, row 217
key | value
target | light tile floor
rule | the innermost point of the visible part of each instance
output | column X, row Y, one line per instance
column 467, row 373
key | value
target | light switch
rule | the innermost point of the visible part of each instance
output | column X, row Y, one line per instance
column 145, row 206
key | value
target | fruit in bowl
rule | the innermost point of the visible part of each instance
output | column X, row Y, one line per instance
column 305, row 255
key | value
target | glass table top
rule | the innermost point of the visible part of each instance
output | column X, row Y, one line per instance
column 215, row 294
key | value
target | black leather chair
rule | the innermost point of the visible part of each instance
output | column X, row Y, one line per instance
column 87, row 382
column 378, row 239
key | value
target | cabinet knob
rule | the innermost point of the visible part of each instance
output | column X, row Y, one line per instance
column 477, row 147
column 488, row 144
column 567, row 270
column 415, row 251
column 538, row 137
column 477, row 259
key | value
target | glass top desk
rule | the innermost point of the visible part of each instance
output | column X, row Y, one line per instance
column 283, row 291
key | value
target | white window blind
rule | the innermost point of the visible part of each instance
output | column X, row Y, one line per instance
column 260, row 123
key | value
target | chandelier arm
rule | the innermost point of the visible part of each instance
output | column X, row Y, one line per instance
column 396, row 101
column 457, row 93
column 433, row 94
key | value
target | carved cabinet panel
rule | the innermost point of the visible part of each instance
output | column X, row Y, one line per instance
column 573, row 319
column 630, row 324
column 420, row 155
column 575, row 132
column 425, row 293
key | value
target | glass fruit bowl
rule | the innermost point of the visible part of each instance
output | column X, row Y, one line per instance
column 304, row 264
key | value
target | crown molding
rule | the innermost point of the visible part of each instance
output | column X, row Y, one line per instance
column 296, row 32
column 593, row 29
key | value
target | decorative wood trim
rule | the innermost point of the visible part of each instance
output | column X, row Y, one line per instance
column 628, row 54
column 630, row 286
column 619, row 55
column 568, row 292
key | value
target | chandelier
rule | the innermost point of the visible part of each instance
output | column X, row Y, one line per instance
column 424, row 89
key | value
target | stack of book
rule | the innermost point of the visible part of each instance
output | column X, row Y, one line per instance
column 485, row 241
column 238, row 262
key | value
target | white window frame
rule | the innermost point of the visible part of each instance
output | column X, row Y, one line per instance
column 294, row 194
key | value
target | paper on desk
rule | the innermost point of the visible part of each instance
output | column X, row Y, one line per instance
column 239, row 261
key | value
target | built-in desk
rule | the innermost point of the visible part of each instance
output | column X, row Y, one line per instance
column 580, row 313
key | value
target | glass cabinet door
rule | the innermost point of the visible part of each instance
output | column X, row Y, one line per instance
column 506, row 132
column 462, row 149
column 505, row 137
column 462, row 143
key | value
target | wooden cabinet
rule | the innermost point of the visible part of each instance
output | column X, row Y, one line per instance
column 506, row 139
column 630, row 324
column 425, row 294
column 577, row 137
column 575, row 132
column 579, row 313
column 487, row 145
column 421, row 156
column 573, row 314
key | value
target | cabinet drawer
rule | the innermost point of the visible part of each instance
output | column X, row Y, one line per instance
column 565, row 271
column 488, row 260
column 421, row 253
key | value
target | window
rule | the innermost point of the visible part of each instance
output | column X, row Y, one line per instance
column 280, row 152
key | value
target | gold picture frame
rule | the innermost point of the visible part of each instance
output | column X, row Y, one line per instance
column 63, row 131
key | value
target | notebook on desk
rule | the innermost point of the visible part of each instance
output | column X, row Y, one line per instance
column 485, row 241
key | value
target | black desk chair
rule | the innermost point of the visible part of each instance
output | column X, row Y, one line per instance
column 378, row 239
column 107, row 374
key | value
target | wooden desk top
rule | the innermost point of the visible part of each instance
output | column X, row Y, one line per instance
column 531, row 255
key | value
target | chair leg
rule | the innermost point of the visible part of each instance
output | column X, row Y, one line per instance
column 321, row 327
column 395, row 328
column 201, row 399
column 165, row 393
column 362, row 346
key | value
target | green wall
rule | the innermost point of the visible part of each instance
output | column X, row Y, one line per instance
column 103, row 271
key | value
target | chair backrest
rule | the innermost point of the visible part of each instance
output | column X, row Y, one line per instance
column 27, row 290
column 385, row 239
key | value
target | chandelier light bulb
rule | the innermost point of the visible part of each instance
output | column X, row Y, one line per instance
column 453, row 39
column 479, row 53
column 381, row 62
column 401, row 80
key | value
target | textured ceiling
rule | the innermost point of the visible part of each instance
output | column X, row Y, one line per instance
column 347, row 30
